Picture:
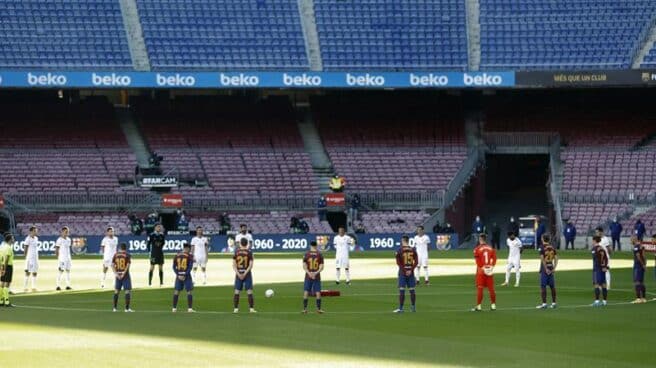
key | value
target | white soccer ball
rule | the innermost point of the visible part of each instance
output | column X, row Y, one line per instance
column 269, row 293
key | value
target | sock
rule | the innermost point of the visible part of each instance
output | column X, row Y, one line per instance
column 348, row 275
column 401, row 298
column 418, row 272
column 190, row 301
column 68, row 279
column 638, row 290
column 204, row 277
column 27, row 278
column 604, row 291
column 479, row 296
column 518, row 275
column 543, row 294
column 2, row 296
column 127, row 300
column 493, row 295
column 33, row 281
column 175, row 300
column 5, row 295
column 161, row 277
column 104, row 276
column 337, row 275
column 150, row 278
column 251, row 301
column 553, row 294
column 597, row 292
column 115, row 300
column 235, row 300
column 607, row 279
column 318, row 303
column 61, row 273
column 305, row 302
column 425, row 273
column 507, row 275
column 413, row 297
column 193, row 275
column 644, row 291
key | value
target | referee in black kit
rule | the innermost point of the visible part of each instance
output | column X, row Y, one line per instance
column 155, row 245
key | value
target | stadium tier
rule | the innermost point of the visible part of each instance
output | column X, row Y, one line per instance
column 391, row 35
column 404, row 222
column 79, row 223
column 650, row 59
column 648, row 218
column 587, row 216
column 535, row 34
column 71, row 34
column 224, row 34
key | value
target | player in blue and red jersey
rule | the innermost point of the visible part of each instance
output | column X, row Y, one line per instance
column 121, row 266
column 599, row 268
column 548, row 264
column 407, row 260
column 312, row 265
column 242, row 264
column 182, row 265
column 639, row 267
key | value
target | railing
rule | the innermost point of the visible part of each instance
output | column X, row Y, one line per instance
column 520, row 139
column 303, row 202
column 83, row 201
column 601, row 197
column 416, row 200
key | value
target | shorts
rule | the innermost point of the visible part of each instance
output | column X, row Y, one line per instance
column 9, row 273
column 246, row 283
column 107, row 262
column 31, row 265
column 514, row 263
column 547, row 280
column 64, row 265
column 639, row 274
column 598, row 277
column 125, row 283
column 312, row 286
column 342, row 261
column 407, row 281
column 156, row 259
column 200, row 262
column 423, row 260
column 187, row 284
column 484, row 281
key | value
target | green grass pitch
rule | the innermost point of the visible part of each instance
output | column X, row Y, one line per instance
column 78, row 329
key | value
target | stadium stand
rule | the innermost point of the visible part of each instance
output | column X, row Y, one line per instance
column 389, row 34
column 274, row 222
column 223, row 34
column 429, row 149
column 93, row 223
column 587, row 216
column 648, row 218
column 562, row 34
column 71, row 34
column 242, row 150
column 404, row 222
column 650, row 59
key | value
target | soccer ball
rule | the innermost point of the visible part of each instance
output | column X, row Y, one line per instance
column 269, row 293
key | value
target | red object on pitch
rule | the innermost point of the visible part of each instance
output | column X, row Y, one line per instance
column 330, row 293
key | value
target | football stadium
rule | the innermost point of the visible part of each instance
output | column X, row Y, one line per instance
column 327, row 183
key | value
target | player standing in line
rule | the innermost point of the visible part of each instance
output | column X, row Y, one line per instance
column 548, row 264
column 486, row 259
column 200, row 248
column 242, row 264
column 31, row 258
column 6, row 268
column 182, row 264
column 243, row 233
column 606, row 244
column 514, row 258
column 312, row 265
column 639, row 267
column 342, row 243
column 422, row 245
column 407, row 260
column 108, row 247
column 63, row 253
column 121, row 266
column 599, row 269
column 156, row 242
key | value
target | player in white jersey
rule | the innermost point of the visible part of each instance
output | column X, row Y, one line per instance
column 31, row 257
column 243, row 233
column 514, row 255
column 63, row 253
column 421, row 244
column 342, row 244
column 605, row 243
column 108, row 247
column 200, row 247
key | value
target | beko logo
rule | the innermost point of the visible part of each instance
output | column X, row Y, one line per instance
column 48, row 79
